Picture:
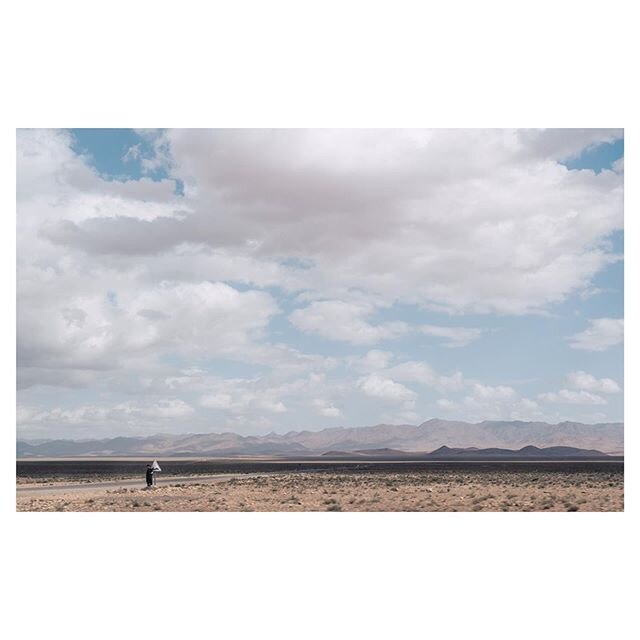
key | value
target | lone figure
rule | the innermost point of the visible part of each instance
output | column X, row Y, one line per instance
column 150, row 471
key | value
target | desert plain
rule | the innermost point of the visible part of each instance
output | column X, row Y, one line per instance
column 461, row 487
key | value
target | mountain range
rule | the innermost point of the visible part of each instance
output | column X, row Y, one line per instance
column 426, row 437
column 470, row 453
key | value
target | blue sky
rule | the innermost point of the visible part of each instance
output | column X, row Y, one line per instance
column 256, row 281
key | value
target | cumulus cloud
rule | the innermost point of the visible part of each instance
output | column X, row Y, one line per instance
column 487, row 392
column 499, row 402
column 487, row 402
column 586, row 390
column 586, row 382
column 423, row 373
column 248, row 398
column 325, row 408
column 377, row 386
column 115, row 235
column 563, row 144
column 567, row 396
column 331, row 412
column 454, row 336
column 241, row 402
column 373, row 360
column 98, row 332
column 127, row 289
column 601, row 334
column 384, row 211
column 344, row 321
column 92, row 420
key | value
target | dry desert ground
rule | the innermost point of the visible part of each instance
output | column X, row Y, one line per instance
column 498, row 490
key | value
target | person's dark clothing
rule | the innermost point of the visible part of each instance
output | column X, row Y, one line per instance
column 149, row 477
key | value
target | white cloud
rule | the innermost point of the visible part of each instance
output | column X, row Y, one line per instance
column 99, row 332
column 567, row 396
column 377, row 386
column 455, row 336
column 384, row 212
column 170, row 408
column 344, row 321
column 331, row 412
column 125, row 289
column 500, row 402
column 266, row 395
column 373, row 360
column 586, row 382
column 380, row 211
column 602, row 334
column 489, row 393
column 326, row 409
column 423, row 373
column 447, row 405
column 244, row 396
column 413, row 371
column 144, row 414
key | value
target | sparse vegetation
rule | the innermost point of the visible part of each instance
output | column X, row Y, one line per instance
column 431, row 489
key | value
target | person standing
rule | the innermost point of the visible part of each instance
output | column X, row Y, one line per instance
column 149, row 475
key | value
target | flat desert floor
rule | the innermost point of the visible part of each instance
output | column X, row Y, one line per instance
column 467, row 489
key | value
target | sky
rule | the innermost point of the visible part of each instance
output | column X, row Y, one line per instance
column 257, row 281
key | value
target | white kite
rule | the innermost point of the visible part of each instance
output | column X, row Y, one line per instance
column 155, row 466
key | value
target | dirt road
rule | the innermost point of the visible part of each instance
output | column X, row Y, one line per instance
column 61, row 488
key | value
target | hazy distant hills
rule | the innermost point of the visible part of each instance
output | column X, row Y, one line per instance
column 427, row 437
column 472, row 453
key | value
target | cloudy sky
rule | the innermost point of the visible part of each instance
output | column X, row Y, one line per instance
column 269, row 280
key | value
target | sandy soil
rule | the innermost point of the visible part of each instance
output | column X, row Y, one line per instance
column 422, row 491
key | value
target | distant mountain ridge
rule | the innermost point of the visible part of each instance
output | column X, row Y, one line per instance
column 426, row 437
column 472, row 453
